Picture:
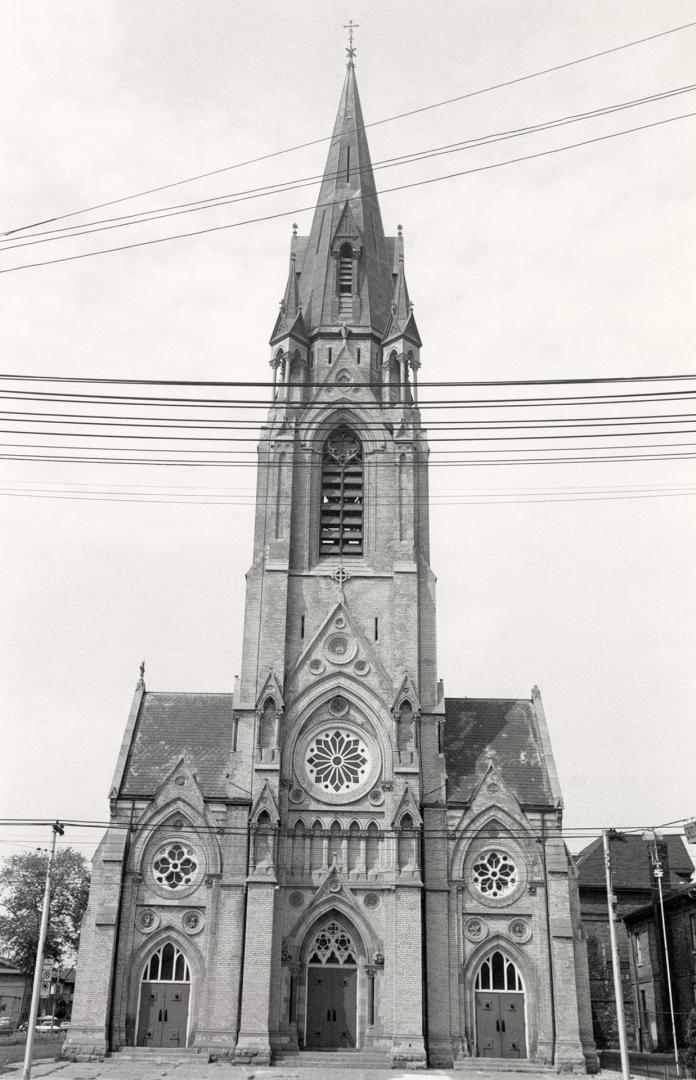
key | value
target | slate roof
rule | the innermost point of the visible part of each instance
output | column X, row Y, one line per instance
column 630, row 866
column 502, row 731
column 671, row 899
column 171, row 726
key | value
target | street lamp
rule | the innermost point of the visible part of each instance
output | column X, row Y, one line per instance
column 651, row 838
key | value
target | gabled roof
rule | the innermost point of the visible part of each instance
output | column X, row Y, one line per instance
column 402, row 322
column 502, row 731
column 347, row 197
column 630, row 863
column 171, row 726
column 290, row 320
column 684, row 894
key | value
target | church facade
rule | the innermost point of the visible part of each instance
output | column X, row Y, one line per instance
column 337, row 856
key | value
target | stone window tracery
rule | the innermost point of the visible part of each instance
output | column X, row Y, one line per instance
column 333, row 945
column 175, row 865
column 497, row 972
column 337, row 760
column 494, row 873
column 167, row 964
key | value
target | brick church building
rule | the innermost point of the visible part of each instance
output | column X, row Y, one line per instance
column 337, row 857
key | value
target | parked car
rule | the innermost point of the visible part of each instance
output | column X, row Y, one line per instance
column 7, row 1025
column 64, row 1025
column 47, row 1023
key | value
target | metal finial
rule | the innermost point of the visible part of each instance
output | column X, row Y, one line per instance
column 350, row 26
column 400, row 230
column 294, row 229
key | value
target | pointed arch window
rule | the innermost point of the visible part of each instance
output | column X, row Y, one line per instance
column 167, row 964
column 345, row 280
column 342, row 494
column 497, row 972
column 333, row 946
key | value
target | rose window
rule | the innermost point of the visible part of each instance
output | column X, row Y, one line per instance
column 175, row 866
column 495, row 873
column 337, row 760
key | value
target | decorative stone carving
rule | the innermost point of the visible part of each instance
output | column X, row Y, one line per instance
column 340, row 648
column 361, row 667
column 317, row 666
column 296, row 795
column 371, row 900
column 520, row 930
column 475, row 929
column 192, row 921
column 376, row 797
column 296, row 900
column 379, row 959
column 147, row 920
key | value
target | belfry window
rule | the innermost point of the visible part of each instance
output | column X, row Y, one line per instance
column 345, row 280
column 341, row 529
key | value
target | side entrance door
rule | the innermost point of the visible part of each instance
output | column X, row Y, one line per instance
column 500, row 1025
column 331, row 1007
column 163, row 1018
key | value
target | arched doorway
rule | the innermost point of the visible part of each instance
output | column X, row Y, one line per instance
column 165, row 989
column 500, row 1020
column 332, row 988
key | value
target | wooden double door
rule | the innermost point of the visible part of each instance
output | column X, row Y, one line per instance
column 163, row 1018
column 500, row 1029
column 332, row 994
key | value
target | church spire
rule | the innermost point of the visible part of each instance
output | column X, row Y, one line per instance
column 347, row 237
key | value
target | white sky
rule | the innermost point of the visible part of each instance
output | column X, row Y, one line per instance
column 579, row 264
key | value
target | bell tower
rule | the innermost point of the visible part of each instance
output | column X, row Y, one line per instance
column 339, row 679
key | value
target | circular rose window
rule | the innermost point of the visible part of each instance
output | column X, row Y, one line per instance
column 175, row 865
column 495, row 874
column 337, row 760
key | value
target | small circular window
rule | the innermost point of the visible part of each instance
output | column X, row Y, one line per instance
column 495, row 874
column 175, row 865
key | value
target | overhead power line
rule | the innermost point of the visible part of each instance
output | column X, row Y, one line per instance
column 159, row 214
column 384, row 191
column 375, row 123
column 588, row 380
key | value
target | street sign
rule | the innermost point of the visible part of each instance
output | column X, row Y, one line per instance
column 46, row 975
column 690, row 831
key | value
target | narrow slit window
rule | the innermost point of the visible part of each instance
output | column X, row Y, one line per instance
column 302, row 627
column 330, row 355
column 348, row 166
column 376, row 628
column 358, row 355
column 341, row 529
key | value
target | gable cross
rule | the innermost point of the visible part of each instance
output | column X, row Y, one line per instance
column 350, row 26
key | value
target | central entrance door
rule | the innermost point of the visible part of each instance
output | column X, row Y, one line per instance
column 165, row 990
column 500, row 1022
column 331, row 1001
column 332, row 989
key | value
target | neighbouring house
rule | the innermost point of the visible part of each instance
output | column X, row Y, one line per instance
column 634, row 885
column 651, row 1005
column 15, row 991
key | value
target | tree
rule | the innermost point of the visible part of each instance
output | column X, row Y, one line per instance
column 690, row 1054
column 22, row 883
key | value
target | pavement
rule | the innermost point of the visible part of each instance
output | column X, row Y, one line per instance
column 113, row 1069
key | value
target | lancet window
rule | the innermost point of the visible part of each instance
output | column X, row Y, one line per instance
column 342, row 494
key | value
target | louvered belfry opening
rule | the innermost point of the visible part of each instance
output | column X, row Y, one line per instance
column 342, row 494
column 345, row 280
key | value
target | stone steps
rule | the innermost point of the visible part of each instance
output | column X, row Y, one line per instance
column 333, row 1059
column 160, row 1055
column 506, row 1065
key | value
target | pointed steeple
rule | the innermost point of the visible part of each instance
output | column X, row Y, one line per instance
column 347, row 226
column 402, row 322
column 290, row 321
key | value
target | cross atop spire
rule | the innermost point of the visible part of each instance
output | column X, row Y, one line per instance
column 350, row 26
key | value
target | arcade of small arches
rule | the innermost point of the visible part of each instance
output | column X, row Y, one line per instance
column 358, row 850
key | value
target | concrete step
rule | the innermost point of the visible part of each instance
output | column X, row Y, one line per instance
column 506, row 1065
column 333, row 1059
column 157, row 1055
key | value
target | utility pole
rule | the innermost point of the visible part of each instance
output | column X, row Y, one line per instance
column 58, row 830
column 607, row 835
column 652, row 838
